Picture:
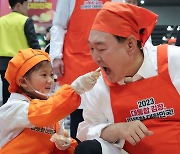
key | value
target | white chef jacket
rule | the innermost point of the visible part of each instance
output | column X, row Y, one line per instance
column 13, row 121
column 97, row 105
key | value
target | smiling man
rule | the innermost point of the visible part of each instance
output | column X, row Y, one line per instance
column 134, row 107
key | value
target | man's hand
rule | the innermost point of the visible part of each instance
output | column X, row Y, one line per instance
column 58, row 67
column 133, row 132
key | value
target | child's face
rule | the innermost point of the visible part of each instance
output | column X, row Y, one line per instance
column 41, row 79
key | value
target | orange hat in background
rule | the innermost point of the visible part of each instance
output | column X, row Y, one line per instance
column 124, row 19
column 22, row 62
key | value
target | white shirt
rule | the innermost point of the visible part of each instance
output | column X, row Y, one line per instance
column 97, row 106
column 61, row 19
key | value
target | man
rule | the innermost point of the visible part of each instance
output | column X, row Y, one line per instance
column 16, row 32
column 135, row 103
column 178, row 39
column 69, row 50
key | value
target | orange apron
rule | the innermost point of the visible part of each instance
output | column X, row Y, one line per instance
column 36, row 141
column 76, row 52
column 155, row 102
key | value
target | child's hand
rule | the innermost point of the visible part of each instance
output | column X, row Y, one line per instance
column 86, row 82
column 62, row 142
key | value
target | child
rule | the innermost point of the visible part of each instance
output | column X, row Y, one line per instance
column 29, row 119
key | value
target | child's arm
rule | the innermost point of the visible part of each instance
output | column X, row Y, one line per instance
column 62, row 103
column 48, row 112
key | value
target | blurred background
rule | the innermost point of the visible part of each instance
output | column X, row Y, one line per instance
column 168, row 23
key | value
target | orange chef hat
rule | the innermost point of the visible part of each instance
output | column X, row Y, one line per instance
column 124, row 19
column 21, row 63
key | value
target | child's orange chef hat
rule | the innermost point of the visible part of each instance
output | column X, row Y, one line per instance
column 124, row 19
column 21, row 63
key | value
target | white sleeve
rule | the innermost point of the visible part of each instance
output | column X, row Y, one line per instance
column 58, row 30
column 13, row 118
column 14, row 114
column 174, row 65
column 97, row 112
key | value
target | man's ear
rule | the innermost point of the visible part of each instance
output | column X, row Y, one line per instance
column 23, row 82
column 132, row 43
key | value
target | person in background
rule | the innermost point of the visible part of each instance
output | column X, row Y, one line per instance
column 134, row 106
column 178, row 39
column 29, row 119
column 47, row 39
column 172, row 41
column 69, row 50
column 16, row 32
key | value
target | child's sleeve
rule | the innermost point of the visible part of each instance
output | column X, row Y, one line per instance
column 48, row 112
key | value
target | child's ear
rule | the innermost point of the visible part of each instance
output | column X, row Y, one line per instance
column 23, row 82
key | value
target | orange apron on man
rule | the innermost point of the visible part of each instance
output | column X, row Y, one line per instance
column 156, row 105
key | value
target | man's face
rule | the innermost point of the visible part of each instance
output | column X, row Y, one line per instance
column 134, row 2
column 111, row 55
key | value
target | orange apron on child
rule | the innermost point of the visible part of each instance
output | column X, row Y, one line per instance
column 36, row 141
